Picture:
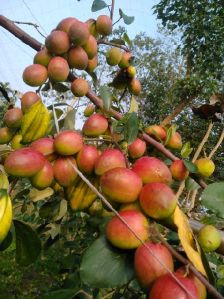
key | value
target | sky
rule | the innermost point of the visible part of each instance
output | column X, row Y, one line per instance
column 15, row 56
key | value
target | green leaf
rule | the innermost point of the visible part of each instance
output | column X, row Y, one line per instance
column 131, row 128
column 103, row 266
column 117, row 41
column 191, row 167
column 127, row 20
column 186, row 150
column 106, row 96
column 190, row 184
column 62, row 209
column 170, row 133
column 69, row 120
column 206, row 265
column 60, row 87
column 28, row 245
column 213, row 198
column 61, row 294
column 6, row 242
column 49, row 210
column 98, row 5
column 127, row 39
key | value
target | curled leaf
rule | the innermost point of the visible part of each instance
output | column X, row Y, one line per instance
column 187, row 239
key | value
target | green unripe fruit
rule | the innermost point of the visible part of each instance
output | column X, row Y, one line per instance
column 209, row 238
column 113, row 56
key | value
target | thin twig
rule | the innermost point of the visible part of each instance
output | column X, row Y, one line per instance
column 204, row 140
column 55, row 119
column 192, row 202
column 117, row 21
column 217, row 145
column 30, row 24
column 105, row 42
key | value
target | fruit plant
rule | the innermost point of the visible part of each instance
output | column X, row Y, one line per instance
column 122, row 177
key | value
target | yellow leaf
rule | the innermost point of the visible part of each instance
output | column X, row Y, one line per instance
column 187, row 239
column 36, row 195
column 133, row 105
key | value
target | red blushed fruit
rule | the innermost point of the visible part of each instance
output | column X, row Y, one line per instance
column 95, row 125
column 86, row 158
column 137, row 148
column 24, row 162
column 57, row 42
column 178, row 170
column 157, row 200
column 28, row 99
column 151, row 169
column 65, row 24
column 109, row 159
column 175, row 142
column 35, row 75
column 156, row 131
column 68, row 143
column 79, row 33
column 147, row 267
column 64, row 173
column 43, row 178
column 13, row 118
column 45, row 146
column 166, row 287
column 201, row 289
column 58, row 69
column 121, row 185
column 120, row 236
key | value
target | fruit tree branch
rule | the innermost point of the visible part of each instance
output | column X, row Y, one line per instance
column 204, row 140
column 19, row 33
column 33, row 43
column 217, row 145
column 112, row 9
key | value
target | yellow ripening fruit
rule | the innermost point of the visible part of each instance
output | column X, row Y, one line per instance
column 205, row 167
column 35, row 122
column 80, row 195
column 5, row 214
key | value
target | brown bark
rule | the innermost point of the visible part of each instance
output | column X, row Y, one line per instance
column 19, row 33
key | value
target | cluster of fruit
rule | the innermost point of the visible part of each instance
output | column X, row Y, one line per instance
column 27, row 124
column 136, row 185
column 73, row 45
